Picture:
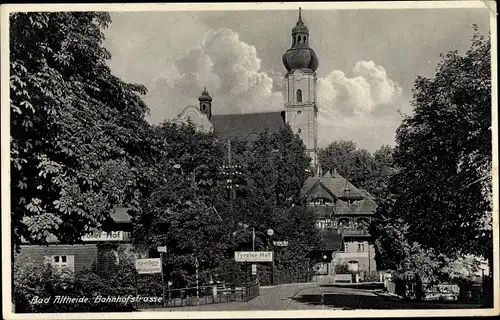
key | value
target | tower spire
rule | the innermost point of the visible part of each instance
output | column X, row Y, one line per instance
column 206, row 103
column 300, row 16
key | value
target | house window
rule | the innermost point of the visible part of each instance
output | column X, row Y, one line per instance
column 299, row 95
column 361, row 247
column 60, row 263
column 346, row 247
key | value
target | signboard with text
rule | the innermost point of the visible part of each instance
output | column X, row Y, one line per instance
column 253, row 256
column 280, row 243
column 148, row 266
column 103, row 236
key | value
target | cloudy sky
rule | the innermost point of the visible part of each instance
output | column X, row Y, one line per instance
column 368, row 60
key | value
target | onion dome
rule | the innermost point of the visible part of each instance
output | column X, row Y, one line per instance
column 205, row 96
column 300, row 56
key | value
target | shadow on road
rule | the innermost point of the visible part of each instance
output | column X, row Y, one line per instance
column 366, row 286
column 346, row 301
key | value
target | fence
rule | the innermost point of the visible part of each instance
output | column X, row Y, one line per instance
column 464, row 290
column 371, row 276
column 285, row 276
column 206, row 295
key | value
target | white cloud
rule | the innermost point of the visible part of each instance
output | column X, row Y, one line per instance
column 362, row 107
column 228, row 67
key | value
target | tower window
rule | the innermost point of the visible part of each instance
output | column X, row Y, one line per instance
column 294, row 39
column 299, row 39
column 305, row 38
column 299, row 131
column 299, row 95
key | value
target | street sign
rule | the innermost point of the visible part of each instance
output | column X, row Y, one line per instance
column 253, row 256
column 270, row 232
column 254, row 269
column 280, row 243
column 162, row 249
column 148, row 266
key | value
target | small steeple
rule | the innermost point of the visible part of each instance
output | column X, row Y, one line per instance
column 300, row 16
column 206, row 103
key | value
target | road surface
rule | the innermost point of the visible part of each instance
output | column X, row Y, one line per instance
column 312, row 296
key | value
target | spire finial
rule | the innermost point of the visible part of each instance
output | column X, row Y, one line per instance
column 300, row 16
column 205, row 88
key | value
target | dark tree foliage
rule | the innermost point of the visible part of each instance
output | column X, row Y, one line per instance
column 363, row 169
column 176, row 206
column 274, row 169
column 444, row 155
column 440, row 198
column 76, row 129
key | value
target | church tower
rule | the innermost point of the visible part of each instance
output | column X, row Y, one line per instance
column 301, row 111
column 205, row 103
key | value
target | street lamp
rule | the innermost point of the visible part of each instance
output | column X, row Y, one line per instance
column 270, row 233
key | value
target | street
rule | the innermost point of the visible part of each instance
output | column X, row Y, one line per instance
column 312, row 296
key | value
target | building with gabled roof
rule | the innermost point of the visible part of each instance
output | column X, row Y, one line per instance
column 343, row 214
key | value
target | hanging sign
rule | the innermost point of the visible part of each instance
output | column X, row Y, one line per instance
column 254, row 269
column 280, row 243
column 253, row 256
column 148, row 266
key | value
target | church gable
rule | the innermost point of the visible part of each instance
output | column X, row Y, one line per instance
column 193, row 114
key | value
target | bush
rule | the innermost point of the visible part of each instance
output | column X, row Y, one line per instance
column 35, row 289
column 342, row 268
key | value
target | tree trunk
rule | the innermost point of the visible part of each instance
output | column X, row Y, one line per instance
column 419, row 288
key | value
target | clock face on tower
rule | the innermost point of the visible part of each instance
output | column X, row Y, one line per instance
column 298, row 75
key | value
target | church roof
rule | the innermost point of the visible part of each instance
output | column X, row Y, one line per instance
column 247, row 125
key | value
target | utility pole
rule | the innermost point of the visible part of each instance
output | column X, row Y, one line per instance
column 197, row 287
column 230, row 182
column 162, row 281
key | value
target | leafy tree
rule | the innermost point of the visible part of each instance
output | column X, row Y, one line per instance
column 444, row 156
column 360, row 167
column 76, row 129
column 274, row 171
column 437, row 212
column 176, row 207
column 339, row 155
column 291, row 163
column 384, row 170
